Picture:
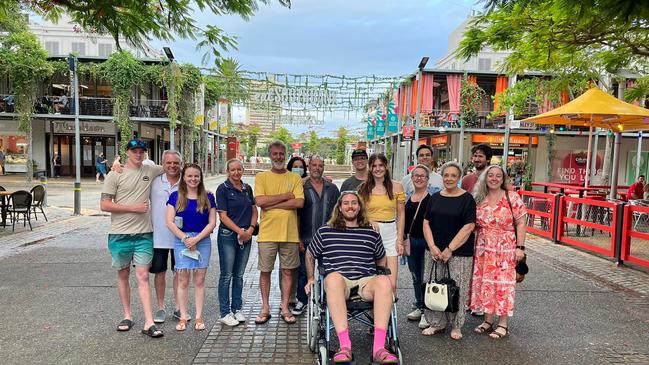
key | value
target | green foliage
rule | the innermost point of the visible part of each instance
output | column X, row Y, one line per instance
column 639, row 91
column 284, row 135
column 341, row 144
column 471, row 96
column 124, row 72
column 572, row 36
column 552, row 139
column 312, row 145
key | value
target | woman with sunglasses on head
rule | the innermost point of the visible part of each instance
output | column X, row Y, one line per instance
column 238, row 214
column 416, row 208
column 385, row 203
column 448, row 229
column 191, row 217
column 500, row 245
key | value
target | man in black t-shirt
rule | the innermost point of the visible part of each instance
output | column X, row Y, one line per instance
column 348, row 234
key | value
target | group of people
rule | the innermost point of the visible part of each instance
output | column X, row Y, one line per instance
column 471, row 229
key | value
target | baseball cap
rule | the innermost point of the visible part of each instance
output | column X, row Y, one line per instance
column 359, row 152
column 136, row 143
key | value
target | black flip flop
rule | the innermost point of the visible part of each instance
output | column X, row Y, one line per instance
column 153, row 331
column 125, row 323
column 265, row 318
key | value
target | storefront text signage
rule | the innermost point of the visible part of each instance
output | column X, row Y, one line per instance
column 60, row 127
column 499, row 139
column 439, row 140
column 296, row 95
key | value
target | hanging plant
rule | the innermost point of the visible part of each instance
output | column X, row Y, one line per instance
column 551, row 153
column 24, row 61
column 124, row 72
column 471, row 96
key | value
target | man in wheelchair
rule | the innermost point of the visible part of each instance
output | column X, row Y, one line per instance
column 350, row 251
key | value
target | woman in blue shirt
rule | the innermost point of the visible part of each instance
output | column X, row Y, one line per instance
column 238, row 214
column 191, row 217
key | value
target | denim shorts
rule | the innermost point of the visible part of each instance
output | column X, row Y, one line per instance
column 127, row 248
column 183, row 262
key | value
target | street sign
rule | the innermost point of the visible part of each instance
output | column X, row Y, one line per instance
column 408, row 132
column 222, row 146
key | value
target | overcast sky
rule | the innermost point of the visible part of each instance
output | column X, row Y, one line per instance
column 338, row 37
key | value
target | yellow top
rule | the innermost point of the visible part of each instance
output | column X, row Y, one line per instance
column 278, row 225
column 380, row 208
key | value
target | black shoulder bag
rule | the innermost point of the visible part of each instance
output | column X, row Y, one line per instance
column 249, row 192
column 521, row 267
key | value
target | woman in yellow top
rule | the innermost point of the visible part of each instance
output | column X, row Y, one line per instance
column 385, row 205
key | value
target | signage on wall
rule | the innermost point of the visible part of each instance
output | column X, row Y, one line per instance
column 569, row 167
column 67, row 127
column 408, row 132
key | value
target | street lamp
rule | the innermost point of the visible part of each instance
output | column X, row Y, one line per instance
column 420, row 69
column 172, row 132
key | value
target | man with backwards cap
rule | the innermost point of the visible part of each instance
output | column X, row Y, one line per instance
column 130, row 240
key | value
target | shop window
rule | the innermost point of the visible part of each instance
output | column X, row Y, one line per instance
column 79, row 48
column 484, row 64
column 52, row 48
column 14, row 147
column 105, row 50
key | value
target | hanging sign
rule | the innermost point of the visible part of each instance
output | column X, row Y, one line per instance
column 370, row 129
column 408, row 132
column 296, row 95
column 380, row 122
column 393, row 119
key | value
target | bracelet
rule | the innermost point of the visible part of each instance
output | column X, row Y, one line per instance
column 184, row 239
column 522, row 248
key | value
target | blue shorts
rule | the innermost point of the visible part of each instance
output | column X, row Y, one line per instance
column 127, row 248
column 204, row 246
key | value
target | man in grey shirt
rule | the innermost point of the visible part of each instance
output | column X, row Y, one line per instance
column 424, row 157
column 359, row 161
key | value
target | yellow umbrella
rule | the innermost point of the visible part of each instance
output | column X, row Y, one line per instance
column 595, row 108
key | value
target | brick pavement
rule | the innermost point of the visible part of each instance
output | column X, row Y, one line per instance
column 274, row 342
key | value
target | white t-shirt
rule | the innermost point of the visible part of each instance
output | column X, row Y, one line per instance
column 160, row 191
column 435, row 184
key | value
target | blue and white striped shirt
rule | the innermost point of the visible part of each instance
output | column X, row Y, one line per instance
column 352, row 253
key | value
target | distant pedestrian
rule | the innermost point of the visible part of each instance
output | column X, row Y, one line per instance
column 163, row 239
column 56, row 163
column 126, row 196
column 500, row 244
column 320, row 197
column 359, row 161
column 385, row 203
column 636, row 190
column 2, row 161
column 191, row 216
column 100, row 167
column 448, row 229
column 424, row 157
column 279, row 194
column 238, row 214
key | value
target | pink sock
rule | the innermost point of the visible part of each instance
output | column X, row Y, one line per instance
column 343, row 339
column 379, row 339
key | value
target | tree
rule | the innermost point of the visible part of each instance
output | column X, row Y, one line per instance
column 571, row 36
column 312, row 145
column 341, row 145
column 227, row 84
column 137, row 20
column 284, row 135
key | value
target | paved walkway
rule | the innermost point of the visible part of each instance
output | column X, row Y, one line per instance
column 58, row 297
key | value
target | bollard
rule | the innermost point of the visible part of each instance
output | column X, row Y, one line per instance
column 557, row 213
column 44, row 183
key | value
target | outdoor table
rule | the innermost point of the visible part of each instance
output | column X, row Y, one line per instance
column 4, row 195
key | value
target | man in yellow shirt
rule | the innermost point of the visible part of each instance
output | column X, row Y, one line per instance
column 279, row 193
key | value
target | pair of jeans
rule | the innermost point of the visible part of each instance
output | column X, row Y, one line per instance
column 416, row 261
column 233, row 258
column 301, row 277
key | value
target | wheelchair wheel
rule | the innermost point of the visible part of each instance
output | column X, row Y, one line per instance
column 323, row 355
column 313, row 320
column 394, row 347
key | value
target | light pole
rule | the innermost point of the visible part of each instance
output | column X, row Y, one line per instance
column 170, row 56
column 508, row 121
column 415, row 141
column 72, row 62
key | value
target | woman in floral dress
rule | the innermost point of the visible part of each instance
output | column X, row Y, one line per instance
column 500, row 244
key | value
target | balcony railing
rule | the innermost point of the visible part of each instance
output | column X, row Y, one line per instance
column 95, row 106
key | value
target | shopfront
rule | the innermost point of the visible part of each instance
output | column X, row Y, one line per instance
column 440, row 145
column 13, row 144
column 96, row 138
column 519, row 146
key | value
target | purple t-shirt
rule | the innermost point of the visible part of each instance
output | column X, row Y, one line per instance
column 193, row 221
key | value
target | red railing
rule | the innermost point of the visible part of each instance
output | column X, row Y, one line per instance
column 634, row 216
column 540, row 212
column 578, row 211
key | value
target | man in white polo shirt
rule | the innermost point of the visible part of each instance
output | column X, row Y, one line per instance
column 163, row 239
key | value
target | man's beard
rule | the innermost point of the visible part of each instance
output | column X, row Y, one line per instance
column 278, row 165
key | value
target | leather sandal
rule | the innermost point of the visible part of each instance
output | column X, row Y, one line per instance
column 499, row 335
column 199, row 325
column 481, row 329
column 383, row 356
column 181, row 325
column 344, row 354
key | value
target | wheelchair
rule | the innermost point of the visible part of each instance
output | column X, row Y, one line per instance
column 320, row 326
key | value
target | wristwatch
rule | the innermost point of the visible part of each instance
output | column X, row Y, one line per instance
column 522, row 248
column 184, row 239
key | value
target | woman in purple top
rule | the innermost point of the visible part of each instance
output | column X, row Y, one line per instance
column 191, row 217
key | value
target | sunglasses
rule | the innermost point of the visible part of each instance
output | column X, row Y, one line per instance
column 134, row 143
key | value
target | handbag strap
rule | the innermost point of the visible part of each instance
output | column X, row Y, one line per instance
column 511, row 209
column 434, row 269
column 415, row 217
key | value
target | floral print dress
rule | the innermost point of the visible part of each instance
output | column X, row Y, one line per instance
column 494, row 276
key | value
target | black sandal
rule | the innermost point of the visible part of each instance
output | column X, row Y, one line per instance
column 482, row 329
column 125, row 323
column 497, row 335
column 153, row 332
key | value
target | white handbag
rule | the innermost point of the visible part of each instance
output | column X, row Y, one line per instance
column 441, row 295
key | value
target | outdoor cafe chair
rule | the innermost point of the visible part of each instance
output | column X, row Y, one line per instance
column 38, row 195
column 21, row 202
